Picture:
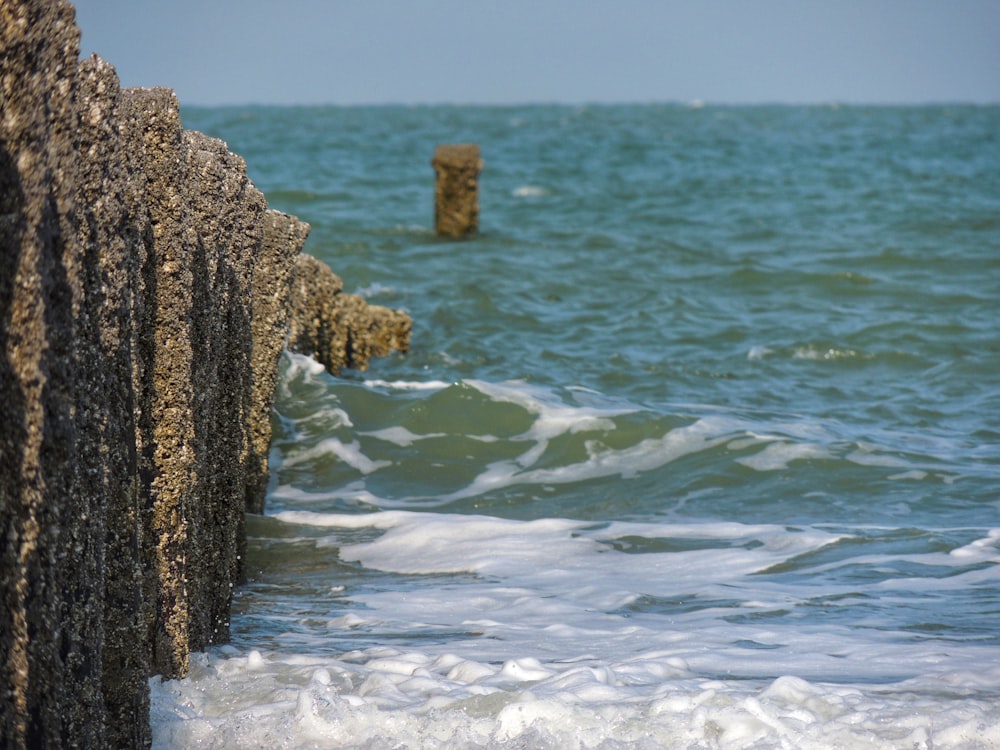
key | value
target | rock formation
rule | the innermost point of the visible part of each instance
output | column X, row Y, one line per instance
column 145, row 296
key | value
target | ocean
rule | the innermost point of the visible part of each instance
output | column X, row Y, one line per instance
column 696, row 445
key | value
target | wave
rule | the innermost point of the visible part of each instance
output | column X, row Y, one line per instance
column 434, row 444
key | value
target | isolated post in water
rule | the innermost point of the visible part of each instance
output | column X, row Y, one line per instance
column 456, row 191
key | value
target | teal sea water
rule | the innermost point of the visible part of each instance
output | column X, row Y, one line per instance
column 696, row 446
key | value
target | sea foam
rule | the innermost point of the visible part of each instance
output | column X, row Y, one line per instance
column 390, row 698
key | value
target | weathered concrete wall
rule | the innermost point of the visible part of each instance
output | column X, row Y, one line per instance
column 207, row 229
column 114, row 240
column 144, row 301
column 339, row 330
column 283, row 236
column 51, row 551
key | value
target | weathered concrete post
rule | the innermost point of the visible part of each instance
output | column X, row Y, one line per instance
column 456, row 191
column 144, row 302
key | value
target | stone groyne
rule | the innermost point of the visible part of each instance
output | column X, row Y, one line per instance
column 146, row 292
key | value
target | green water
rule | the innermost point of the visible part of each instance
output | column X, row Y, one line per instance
column 721, row 383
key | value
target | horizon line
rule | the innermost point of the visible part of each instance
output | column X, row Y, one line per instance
column 686, row 104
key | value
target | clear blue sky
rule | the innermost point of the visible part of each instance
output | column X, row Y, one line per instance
column 573, row 51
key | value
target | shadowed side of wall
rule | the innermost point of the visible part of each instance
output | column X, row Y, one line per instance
column 114, row 240
column 51, row 508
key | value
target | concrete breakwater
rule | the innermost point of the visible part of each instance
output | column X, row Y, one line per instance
column 146, row 291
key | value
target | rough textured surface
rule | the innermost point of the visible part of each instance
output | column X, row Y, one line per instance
column 283, row 236
column 168, row 460
column 339, row 330
column 144, row 291
column 456, row 189
column 207, row 228
column 114, row 237
column 51, row 552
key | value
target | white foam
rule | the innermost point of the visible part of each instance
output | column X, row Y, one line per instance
column 408, row 385
column 530, row 191
column 327, row 418
column 549, row 643
column 916, row 475
column 777, row 456
column 374, row 290
column 446, row 543
column 546, row 556
column 352, row 494
column 350, row 453
column 574, row 589
column 550, row 409
column 872, row 455
column 301, row 364
column 832, row 353
column 759, row 352
column 399, row 435
column 390, row 698
column 981, row 550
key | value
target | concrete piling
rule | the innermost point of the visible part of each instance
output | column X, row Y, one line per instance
column 145, row 290
column 456, row 191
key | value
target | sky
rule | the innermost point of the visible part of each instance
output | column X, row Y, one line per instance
column 216, row 52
